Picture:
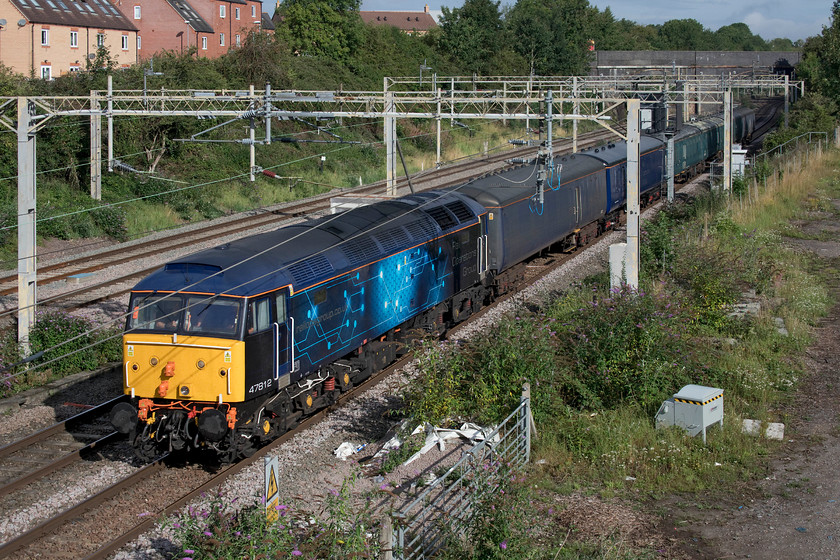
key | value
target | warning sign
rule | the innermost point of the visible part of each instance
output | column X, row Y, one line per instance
column 227, row 356
column 272, row 490
column 130, row 350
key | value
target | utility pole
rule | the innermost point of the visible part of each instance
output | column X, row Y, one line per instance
column 631, row 263
column 26, row 221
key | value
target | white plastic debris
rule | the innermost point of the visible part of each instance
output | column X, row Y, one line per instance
column 438, row 436
column 347, row 449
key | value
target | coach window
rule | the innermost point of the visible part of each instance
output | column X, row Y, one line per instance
column 259, row 315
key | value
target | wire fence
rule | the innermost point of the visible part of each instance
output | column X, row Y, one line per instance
column 447, row 506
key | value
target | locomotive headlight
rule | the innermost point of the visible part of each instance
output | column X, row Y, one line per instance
column 153, row 361
column 184, row 390
column 200, row 364
column 135, row 367
column 223, row 372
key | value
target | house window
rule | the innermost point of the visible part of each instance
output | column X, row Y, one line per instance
column 204, row 43
column 136, row 12
column 222, row 39
column 46, row 72
column 100, row 39
column 253, row 11
column 74, row 69
column 45, row 37
column 236, row 12
column 74, row 39
column 125, row 42
column 138, row 42
column 222, row 11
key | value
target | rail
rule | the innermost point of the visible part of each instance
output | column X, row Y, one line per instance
column 446, row 508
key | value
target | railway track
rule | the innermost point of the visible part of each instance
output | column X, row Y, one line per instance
column 68, row 533
column 46, row 451
column 125, row 255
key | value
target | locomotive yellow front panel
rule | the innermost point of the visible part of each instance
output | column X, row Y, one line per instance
column 187, row 368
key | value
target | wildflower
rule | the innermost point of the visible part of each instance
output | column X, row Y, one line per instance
column 208, row 533
column 297, row 552
column 503, row 545
column 189, row 551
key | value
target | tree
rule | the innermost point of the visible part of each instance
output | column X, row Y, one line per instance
column 552, row 35
column 738, row 37
column 683, row 35
column 820, row 66
column 330, row 28
column 472, row 34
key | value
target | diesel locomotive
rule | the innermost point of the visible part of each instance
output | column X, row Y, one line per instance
column 226, row 349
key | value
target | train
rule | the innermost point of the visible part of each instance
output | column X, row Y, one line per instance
column 228, row 348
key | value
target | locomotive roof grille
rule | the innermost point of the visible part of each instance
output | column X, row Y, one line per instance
column 359, row 250
column 313, row 267
column 421, row 230
column 444, row 219
column 392, row 240
column 461, row 211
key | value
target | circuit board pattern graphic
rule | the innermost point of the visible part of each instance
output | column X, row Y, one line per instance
column 345, row 312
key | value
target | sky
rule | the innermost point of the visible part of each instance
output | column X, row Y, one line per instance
column 768, row 18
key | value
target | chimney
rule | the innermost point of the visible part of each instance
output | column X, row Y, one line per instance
column 426, row 9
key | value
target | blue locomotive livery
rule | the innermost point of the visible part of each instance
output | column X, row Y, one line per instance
column 228, row 348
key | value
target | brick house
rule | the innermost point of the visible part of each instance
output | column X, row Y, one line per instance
column 48, row 38
column 211, row 27
column 413, row 23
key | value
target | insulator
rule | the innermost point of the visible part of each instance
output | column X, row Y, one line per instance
column 250, row 114
column 117, row 164
column 520, row 160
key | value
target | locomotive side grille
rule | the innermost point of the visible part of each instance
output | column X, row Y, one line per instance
column 421, row 230
column 442, row 217
column 393, row 239
column 359, row 251
column 461, row 211
column 311, row 268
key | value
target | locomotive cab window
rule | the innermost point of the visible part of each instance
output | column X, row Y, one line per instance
column 212, row 316
column 259, row 315
column 153, row 312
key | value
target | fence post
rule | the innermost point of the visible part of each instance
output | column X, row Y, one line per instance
column 386, row 539
column 528, row 419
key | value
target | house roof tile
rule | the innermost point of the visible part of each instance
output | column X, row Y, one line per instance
column 99, row 14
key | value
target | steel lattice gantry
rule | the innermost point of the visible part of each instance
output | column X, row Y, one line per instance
column 500, row 98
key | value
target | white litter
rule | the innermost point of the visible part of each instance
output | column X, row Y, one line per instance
column 436, row 436
column 347, row 449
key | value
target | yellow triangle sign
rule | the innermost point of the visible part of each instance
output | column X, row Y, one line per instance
column 272, row 484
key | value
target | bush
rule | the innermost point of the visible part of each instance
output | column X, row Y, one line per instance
column 68, row 344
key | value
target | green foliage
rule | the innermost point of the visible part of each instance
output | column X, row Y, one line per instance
column 321, row 29
column 67, row 341
column 221, row 530
column 473, row 34
column 502, row 518
column 552, row 36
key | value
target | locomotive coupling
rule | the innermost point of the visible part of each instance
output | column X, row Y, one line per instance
column 124, row 417
column 212, row 424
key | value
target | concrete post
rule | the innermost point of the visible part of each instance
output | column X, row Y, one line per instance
column 390, row 145
column 267, row 104
column 437, row 118
column 252, row 136
column 27, row 266
column 618, row 252
column 575, row 111
column 95, row 148
column 110, row 123
column 670, row 167
column 787, row 99
column 727, row 140
column 633, row 205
